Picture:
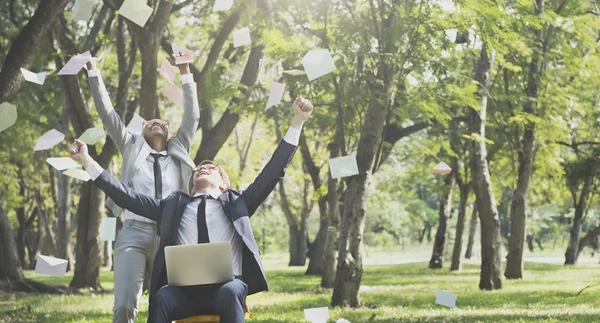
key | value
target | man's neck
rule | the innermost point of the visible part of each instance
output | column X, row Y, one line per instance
column 158, row 144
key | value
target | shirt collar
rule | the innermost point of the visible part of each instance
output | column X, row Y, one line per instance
column 152, row 151
column 214, row 194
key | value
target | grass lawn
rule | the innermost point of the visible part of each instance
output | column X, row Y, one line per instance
column 395, row 293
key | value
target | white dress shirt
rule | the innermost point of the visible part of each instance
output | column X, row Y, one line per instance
column 220, row 228
column 143, row 180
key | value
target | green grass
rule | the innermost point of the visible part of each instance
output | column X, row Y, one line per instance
column 396, row 293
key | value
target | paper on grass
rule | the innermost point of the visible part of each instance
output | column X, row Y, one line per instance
column 222, row 5
column 8, row 115
column 167, row 71
column 48, row 140
column 77, row 173
column 51, row 266
column 82, row 10
column 62, row 163
column 37, row 78
column 136, row 10
column 316, row 315
column 92, row 135
column 135, row 125
column 75, row 64
column 174, row 94
column 108, row 229
column 276, row 91
column 318, row 63
column 441, row 168
column 241, row 37
column 343, row 166
column 445, row 299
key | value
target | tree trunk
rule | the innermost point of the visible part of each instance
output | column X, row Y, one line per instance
column 491, row 242
column 148, row 95
column 64, row 248
column 25, row 45
column 460, row 228
column 107, row 254
column 10, row 266
column 296, row 243
column 88, row 247
column 316, row 251
column 580, row 207
column 529, row 239
column 333, row 221
column 472, row 231
column 445, row 212
column 350, row 244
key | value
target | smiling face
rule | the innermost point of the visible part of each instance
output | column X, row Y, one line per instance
column 155, row 128
column 208, row 175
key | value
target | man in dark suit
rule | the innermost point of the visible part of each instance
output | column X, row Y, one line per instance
column 214, row 213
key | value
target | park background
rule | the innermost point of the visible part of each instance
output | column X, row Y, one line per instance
column 505, row 92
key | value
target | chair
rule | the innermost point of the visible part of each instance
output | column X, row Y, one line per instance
column 213, row 318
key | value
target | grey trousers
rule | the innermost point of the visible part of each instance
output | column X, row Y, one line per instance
column 135, row 248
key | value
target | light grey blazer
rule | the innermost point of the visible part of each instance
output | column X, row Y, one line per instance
column 134, row 148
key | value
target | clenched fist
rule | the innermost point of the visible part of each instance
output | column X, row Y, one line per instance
column 79, row 152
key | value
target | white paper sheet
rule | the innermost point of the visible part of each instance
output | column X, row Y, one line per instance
column 276, row 91
column 136, row 10
column 108, row 229
column 62, row 163
column 48, row 140
column 92, row 135
column 343, row 166
column 51, row 266
column 135, row 125
column 342, row 320
column 8, row 115
column 167, row 71
column 316, row 315
column 241, row 37
column 75, row 64
column 174, row 94
column 222, row 5
column 441, row 168
column 445, row 299
column 37, row 78
column 294, row 72
column 182, row 54
column 318, row 63
column 77, row 173
column 82, row 10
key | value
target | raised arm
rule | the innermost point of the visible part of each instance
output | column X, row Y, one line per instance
column 121, row 194
column 112, row 122
column 191, row 110
column 274, row 171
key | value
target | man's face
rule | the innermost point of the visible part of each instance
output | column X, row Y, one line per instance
column 155, row 128
column 208, row 176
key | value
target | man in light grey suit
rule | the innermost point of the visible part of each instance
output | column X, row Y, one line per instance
column 155, row 164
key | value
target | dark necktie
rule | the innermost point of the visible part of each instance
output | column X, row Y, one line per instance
column 202, row 227
column 157, row 176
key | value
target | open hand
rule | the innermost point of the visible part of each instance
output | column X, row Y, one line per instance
column 79, row 151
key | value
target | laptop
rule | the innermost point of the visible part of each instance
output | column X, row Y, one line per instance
column 199, row 264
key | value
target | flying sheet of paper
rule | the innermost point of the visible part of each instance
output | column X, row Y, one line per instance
column 318, row 63
column 37, row 78
column 135, row 125
column 241, row 37
column 342, row 320
column 187, row 56
column 343, row 166
column 276, row 91
column 136, row 10
column 445, row 299
column 82, row 10
column 174, row 94
column 75, row 64
column 62, row 163
column 317, row 315
column 8, row 115
column 108, row 229
column 48, row 140
column 441, row 168
column 77, row 173
column 51, row 266
column 294, row 72
column 93, row 135
column 167, row 70
column 222, row 5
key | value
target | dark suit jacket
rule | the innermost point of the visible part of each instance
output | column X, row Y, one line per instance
column 239, row 206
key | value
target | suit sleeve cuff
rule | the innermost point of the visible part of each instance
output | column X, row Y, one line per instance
column 187, row 78
column 93, row 73
column 94, row 169
column 292, row 136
